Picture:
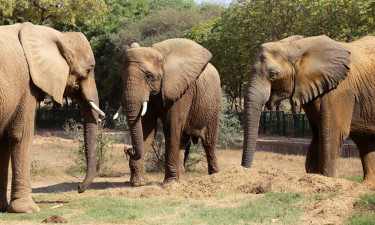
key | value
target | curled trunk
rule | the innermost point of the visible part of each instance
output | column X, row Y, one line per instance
column 256, row 96
column 90, row 118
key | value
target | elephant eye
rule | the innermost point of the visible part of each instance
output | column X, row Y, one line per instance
column 150, row 76
column 88, row 71
column 273, row 75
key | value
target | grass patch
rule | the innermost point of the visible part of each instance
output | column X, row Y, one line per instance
column 357, row 178
column 112, row 209
column 280, row 207
column 364, row 207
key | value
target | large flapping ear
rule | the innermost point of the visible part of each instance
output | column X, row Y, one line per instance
column 184, row 60
column 322, row 64
column 44, row 48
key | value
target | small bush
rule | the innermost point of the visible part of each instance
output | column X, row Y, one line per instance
column 230, row 128
column 104, row 145
column 155, row 158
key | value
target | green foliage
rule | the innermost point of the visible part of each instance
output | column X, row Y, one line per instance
column 365, row 202
column 104, row 145
column 235, row 37
column 230, row 127
column 51, row 11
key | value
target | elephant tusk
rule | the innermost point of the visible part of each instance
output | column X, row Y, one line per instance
column 144, row 108
column 118, row 112
column 96, row 108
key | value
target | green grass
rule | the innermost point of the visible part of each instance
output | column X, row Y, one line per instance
column 356, row 178
column 364, row 213
column 282, row 207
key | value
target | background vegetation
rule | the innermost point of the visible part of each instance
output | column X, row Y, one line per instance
column 231, row 33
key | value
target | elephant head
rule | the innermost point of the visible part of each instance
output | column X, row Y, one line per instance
column 297, row 68
column 64, row 63
column 164, row 71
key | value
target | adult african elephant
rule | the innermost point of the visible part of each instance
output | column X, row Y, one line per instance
column 173, row 81
column 35, row 61
column 335, row 84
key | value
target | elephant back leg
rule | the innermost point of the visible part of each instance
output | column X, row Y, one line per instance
column 20, row 133
column 4, row 166
column 366, row 146
column 137, row 171
column 209, row 141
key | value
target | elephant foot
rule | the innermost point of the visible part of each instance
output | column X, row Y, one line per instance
column 369, row 180
column 171, row 180
column 138, row 181
column 23, row 205
column 3, row 205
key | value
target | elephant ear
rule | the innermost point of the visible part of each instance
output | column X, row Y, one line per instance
column 321, row 64
column 291, row 39
column 43, row 48
column 184, row 60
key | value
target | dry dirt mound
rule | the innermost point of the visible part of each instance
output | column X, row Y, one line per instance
column 255, row 181
column 239, row 180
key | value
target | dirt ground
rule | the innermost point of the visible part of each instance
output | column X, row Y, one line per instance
column 53, row 157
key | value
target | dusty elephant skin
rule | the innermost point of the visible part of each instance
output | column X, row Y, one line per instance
column 35, row 61
column 173, row 81
column 335, row 84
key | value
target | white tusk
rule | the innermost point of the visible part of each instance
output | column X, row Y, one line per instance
column 96, row 108
column 144, row 109
column 118, row 113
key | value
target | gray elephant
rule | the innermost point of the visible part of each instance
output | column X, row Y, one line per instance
column 35, row 61
column 174, row 81
column 334, row 83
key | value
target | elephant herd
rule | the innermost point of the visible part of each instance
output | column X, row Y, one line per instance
column 173, row 80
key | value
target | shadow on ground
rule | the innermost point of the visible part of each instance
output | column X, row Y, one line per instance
column 73, row 186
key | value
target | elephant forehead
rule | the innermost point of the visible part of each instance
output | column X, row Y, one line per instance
column 140, row 55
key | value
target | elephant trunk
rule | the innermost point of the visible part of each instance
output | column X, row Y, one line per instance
column 256, row 96
column 90, row 129
column 136, row 133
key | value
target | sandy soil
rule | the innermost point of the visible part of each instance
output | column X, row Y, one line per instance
column 52, row 156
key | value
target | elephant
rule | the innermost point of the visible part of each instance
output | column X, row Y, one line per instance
column 36, row 61
column 174, row 81
column 334, row 83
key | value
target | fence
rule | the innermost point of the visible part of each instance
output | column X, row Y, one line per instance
column 271, row 122
column 283, row 124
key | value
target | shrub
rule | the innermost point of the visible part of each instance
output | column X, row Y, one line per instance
column 104, row 145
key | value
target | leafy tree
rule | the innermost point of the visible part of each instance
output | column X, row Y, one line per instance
column 51, row 11
column 235, row 37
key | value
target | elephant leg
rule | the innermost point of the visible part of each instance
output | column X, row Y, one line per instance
column 312, row 157
column 137, row 171
column 366, row 146
column 172, row 154
column 209, row 144
column 20, row 135
column 334, row 129
column 4, row 166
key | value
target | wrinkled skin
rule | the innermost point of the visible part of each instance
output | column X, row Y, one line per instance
column 335, row 84
column 35, row 61
column 183, row 90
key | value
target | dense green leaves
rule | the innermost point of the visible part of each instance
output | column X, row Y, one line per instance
column 245, row 25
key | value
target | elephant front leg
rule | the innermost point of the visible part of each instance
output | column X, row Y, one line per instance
column 172, row 156
column 4, row 166
column 20, row 136
column 137, row 171
column 312, row 157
